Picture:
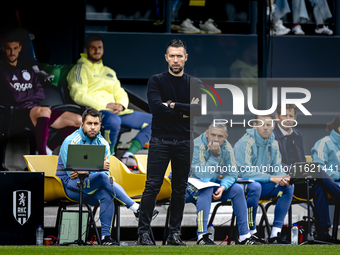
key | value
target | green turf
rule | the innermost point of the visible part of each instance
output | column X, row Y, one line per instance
column 169, row 250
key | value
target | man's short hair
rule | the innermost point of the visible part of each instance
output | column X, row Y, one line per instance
column 176, row 43
column 13, row 35
column 335, row 124
column 288, row 107
column 219, row 125
column 92, row 38
column 90, row 111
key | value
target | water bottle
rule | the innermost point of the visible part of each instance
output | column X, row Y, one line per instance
column 39, row 235
column 211, row 231
column 294, row 234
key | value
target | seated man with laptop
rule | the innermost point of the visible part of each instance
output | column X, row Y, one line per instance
column 98, row 188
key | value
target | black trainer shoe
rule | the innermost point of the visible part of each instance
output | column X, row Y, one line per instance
column 205, row 240
column 327, row 238
column 109, row 241
column 259, row 239
column 144, row 239
column 174, row 239
column 154, row 214
column 278, row 240
column 249, row 241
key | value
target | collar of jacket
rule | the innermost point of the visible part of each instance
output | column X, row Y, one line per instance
column 94, row 66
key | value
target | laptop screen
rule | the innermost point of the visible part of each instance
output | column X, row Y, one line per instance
column 85, row 157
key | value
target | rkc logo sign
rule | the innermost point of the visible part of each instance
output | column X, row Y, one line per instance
column 22, row 205
column 238, row 99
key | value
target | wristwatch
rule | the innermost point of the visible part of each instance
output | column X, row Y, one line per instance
column 169, row 102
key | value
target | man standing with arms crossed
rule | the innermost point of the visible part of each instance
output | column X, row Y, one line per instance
column 171, row 104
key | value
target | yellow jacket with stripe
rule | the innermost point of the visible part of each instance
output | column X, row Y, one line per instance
column 96, row 85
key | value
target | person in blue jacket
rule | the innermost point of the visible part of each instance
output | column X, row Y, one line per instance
column 258, row 157
column 98, row 189
column 213, row 156
column 326, row 152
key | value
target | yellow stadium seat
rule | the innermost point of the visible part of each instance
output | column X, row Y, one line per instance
column 54, row 188
column 134, row 184
column 142, row 160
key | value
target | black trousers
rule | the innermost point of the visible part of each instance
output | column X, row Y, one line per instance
column 160, row 153
column 324, row 185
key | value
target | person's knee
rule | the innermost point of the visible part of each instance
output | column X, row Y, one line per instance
column 77, row 120
column 152, row 188
column 112, row 122
column 290, row 189
column 255, row 188
column 44, row 112
column 147, row 119
column 101, row 178
column 238, row 190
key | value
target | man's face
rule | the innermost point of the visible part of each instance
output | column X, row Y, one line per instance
column 95, row 51
column 288, row 119
column 91, row 126
column 176, row 58
column 12, row 50
column 266, row 130
column 216, row 135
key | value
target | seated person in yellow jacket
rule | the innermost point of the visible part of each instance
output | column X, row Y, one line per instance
column 95, row 85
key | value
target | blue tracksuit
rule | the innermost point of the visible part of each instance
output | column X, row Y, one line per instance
column 257, row 160
column 326, row 151
column 203, row 160
column 98, row 189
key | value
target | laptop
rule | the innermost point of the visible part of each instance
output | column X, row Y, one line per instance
column 85, row 157
column 304, row 170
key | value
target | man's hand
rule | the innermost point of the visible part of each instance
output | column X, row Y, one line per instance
column 74, row 174
column 195, row 100
column 106, row 164
column 116, row 108
column 282, row 180
column 214, row 147
column 218, row 193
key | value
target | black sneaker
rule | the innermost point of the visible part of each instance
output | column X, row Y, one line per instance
column 278, row 240
column 259, row 239
column 249, row 241
column 109, row 241
column 174, row 239
column 144, row 239
column 154, row 214
column 327, row 238
column 205, row 240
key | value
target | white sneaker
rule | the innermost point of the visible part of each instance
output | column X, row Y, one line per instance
column 209, row 27
column 187, row 27
column 280, row 29
column 323, row 31
column 297, row 30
